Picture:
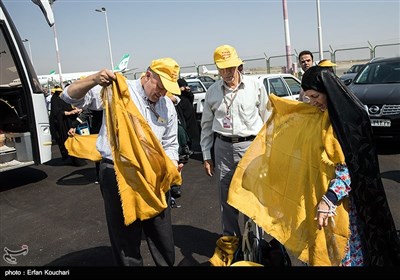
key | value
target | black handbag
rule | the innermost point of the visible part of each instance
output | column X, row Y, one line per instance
column 273, row 253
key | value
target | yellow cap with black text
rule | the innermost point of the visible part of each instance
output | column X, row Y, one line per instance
column 168, row 70
column 225, row 56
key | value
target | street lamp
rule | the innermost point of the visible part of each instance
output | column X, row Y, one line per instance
column 103, row 10
column 321, row 49
column 51, row 2
column 29, row 48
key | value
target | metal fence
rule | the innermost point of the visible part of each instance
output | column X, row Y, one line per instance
column 343, row 57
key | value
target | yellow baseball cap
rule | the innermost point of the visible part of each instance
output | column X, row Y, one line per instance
column 168, row 70
column 225, row 56
column 56, row 89
column 326, row 63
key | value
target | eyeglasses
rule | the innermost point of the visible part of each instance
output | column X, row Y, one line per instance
column 306, row 99
column 157, row 78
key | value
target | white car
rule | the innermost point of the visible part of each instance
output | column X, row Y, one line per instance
column 282, row 84
column 199, row 91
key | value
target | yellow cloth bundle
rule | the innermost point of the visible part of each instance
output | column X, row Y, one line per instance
column 246, row 263
column 225, row 251
column 144, row 172
column 283, row 176
column 83, row 146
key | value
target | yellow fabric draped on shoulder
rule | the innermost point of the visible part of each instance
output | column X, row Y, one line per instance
column 144, row 172
column 283, row 176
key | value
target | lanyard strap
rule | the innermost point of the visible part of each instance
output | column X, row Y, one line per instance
column 152, row 108
column 228, row 107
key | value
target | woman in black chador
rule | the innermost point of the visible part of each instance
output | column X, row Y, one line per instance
column 373, row 240
column 61, row 117
column 187, row 115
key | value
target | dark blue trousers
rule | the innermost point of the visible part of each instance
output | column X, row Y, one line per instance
column 126, row 240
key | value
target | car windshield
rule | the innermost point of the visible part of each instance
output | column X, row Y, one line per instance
column 196, row 87
column 277, row 87
column 380, row 73
column 293, row 84
column 355, row 68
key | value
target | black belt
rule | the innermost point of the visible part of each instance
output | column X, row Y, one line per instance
column 106, row 160
column 235, row 139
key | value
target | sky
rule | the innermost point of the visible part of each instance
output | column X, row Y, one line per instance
column 189, row 31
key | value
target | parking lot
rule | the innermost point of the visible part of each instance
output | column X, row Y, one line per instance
column 56, row 211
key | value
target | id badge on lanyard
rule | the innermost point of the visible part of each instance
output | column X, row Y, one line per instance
column 161, row 120
column 227, row 122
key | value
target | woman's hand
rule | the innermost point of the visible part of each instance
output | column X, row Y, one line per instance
column 325, row 210
column 71, row 131
column 322, row 214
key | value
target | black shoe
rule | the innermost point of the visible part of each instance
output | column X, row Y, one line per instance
column 176, row 191
column 174, row 204
column 183, row 159
column 186, row 151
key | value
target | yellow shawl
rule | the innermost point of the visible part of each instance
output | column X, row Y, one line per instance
column 83, row 146
column 144, row 172
column 282, row 177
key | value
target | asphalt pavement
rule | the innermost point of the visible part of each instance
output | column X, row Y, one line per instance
column 57, row 211
column 53, row 214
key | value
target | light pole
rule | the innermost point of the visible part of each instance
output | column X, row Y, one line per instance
column 287, row 38
column 321, row 49
column 103, row 10
column 56, row 44
column 29, row 48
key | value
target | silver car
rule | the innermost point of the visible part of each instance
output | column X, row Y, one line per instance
column 349, row 75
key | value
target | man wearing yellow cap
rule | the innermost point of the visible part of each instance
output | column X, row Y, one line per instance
column 142, row 203
column 234, row 112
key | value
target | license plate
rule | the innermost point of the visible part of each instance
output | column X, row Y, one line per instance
column 382, row 123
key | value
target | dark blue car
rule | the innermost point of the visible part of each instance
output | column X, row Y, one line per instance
column 377, row 86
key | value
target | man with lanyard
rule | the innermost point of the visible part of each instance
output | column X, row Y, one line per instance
column 159, row 116
column 234, row 112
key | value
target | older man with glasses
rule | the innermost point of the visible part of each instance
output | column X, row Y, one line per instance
column 136, row 193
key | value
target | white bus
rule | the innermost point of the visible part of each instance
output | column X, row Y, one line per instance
column 25, row 137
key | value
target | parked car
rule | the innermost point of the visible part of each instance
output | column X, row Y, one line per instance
column 349, row 75
column 199, row 91
column 377, row 86
column 206, row 80
column 282, row 84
